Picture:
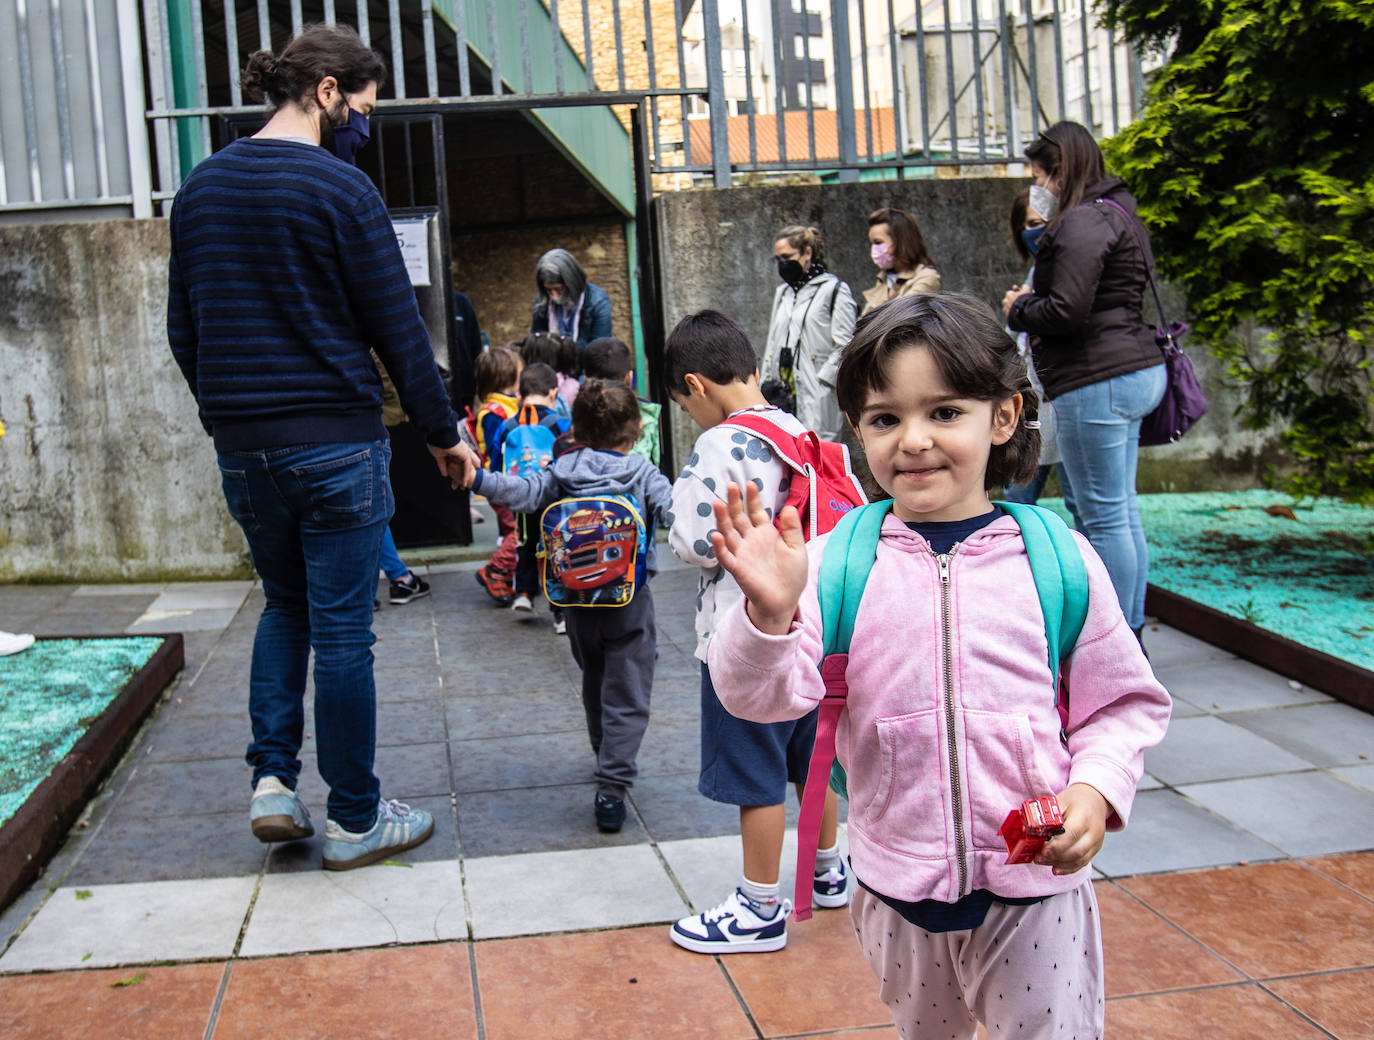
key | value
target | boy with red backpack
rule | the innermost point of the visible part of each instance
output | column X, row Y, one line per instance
column 712, row 373
column 498, row 380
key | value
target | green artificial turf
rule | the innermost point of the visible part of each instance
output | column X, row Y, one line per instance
column 49, row 694
column 1309, row 578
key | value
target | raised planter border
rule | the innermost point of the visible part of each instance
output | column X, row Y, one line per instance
column 33, row 834
column 1341, row 679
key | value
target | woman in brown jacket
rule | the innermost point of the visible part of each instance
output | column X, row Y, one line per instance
column 899, row 251
column 1093, row 350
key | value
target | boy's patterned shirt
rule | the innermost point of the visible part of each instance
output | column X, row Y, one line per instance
column 723, row 455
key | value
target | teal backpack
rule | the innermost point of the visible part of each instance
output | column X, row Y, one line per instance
column 1061, row 583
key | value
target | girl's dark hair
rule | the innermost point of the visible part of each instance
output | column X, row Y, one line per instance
column 537, row 379
column 908, row 247
column 605, row 414
column 319, row 51
column 974, row 354
column 540, row 348
column 1068, row 151
column 710, row 345
column 800, row 238
column 495, row 369
column 566, row 356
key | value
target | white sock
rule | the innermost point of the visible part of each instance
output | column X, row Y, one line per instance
column 764, row 897
column 827, row 858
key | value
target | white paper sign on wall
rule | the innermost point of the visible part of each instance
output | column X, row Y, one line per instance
column 413, row 238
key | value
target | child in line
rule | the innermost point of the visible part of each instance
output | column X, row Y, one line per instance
column 713, row 375
column 498, row 381
column 560, row 354
column 614, row 646
column 951, row 718
column 538, row 391
column 609, row 358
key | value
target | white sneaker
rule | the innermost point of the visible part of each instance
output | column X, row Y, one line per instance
column 12, row 643
column 830, row 888
column 560, row 626
column 734, row 927
column 522, row 607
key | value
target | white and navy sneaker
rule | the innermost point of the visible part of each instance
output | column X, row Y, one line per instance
column 736, row 926
column 830, row 888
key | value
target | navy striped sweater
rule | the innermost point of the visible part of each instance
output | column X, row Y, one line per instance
column 284, row 271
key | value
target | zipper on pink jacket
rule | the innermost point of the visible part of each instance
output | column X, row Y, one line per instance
column 956, row 785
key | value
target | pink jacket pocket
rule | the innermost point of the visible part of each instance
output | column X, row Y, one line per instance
column 1002, row 768
column 910, row 792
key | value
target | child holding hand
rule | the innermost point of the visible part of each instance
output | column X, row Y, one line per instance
column 951, row 718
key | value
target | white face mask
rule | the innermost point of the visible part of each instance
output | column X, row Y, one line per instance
column 1043, row 201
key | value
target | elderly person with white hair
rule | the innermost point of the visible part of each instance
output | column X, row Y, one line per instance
column 566, row 303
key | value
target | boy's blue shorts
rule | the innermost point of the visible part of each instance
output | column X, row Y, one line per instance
column 750, row 763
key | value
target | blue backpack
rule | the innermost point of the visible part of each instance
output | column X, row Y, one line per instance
column 528, row 447
column 1061, row 584
column 594, row 550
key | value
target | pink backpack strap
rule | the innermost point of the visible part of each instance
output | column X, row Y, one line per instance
column 818, row 780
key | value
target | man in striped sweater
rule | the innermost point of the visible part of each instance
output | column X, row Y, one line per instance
column 284, row 274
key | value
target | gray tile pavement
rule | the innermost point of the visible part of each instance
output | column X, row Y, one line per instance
column 480, row 722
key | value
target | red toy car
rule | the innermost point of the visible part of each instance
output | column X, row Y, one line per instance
column 1026, row 829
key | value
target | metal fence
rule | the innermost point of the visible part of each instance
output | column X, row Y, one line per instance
column 838, row 88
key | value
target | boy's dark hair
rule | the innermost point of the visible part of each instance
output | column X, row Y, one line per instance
column 710, row 345
column 605, row 414
column 495, row 369
column 607, row 358
column 537, row 379
column 1069, row 151
column 319, row 51
column 974, row 354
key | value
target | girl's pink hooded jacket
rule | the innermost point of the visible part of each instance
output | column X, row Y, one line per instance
column 950, row 721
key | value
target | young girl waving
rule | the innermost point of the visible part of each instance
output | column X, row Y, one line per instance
column 951, row 718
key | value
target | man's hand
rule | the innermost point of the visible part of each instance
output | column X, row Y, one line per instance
column 458, row 463
column 1085, row 825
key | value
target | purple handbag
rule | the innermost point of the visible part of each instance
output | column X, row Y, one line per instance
column 1183, row 402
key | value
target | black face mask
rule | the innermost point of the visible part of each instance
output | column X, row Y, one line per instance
column 792, row 272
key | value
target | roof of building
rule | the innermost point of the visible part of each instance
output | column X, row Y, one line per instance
column 796, row 134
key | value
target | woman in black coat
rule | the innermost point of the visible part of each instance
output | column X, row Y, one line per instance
column 1093, row 349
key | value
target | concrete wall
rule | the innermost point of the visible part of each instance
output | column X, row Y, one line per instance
column 716, row 248
column 105, row 472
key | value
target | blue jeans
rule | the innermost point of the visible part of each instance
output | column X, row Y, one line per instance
column 1099, row 440
column 392, row 564
column 314, row 516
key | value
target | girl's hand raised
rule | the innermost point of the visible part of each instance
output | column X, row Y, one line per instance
column 768, row 562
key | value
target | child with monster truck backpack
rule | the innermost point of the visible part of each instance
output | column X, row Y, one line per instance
column 954, row 711
column 526, row 444
column 599, row 497
column 712, row 373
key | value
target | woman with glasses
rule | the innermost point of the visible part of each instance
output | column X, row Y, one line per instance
column 1093, row 350
column 812, row 323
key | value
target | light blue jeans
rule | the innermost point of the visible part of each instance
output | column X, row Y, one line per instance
column 1099, row 440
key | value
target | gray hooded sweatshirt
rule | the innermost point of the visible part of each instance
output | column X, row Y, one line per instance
column 586, row 471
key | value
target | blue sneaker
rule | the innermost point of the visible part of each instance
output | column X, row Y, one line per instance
column 738, row 925
column 398, row 827
column 276, row 813
column 830, row 888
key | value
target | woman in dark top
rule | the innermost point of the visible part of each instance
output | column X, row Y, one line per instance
column 1093, row 350
column 565, row 303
